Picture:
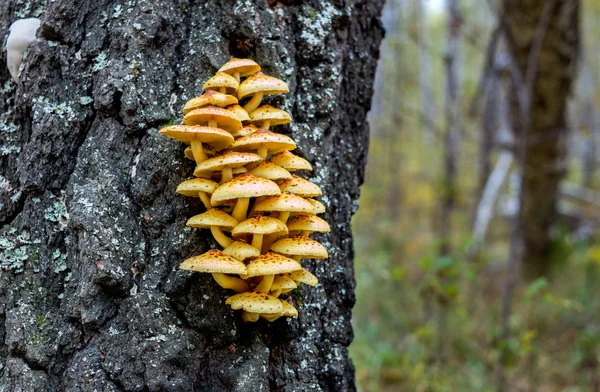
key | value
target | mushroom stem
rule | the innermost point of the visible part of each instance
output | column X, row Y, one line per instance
column 198, row 151
column 283, row 216
column 226, row 175
column 236, row 75
column 275, row 293
column 265, row 284
column 213, row 124
column 220, row 237
column 266, row 124
column 262, row 151
column 254, row 102
column 257, row 241
column 297, row 258
column 229, row 282
column 223, row 90
column 267, row 242
column 240, row 209
column 205, row 199
column 250, row 317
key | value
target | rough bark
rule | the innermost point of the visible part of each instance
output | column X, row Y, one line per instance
column 92, row 231
column 544, row 133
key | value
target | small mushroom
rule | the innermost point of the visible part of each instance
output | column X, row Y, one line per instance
column 239, row 112
column 210, row 98
column 196, row 135
column 304, row 276
column 242, row 188
column 198, row 187
column 269, row 265
column 317, row 205
column 254, row 302
column 257, row 86
column 226, row 162
column 270, row 171
column 290, row 162
column 300, row 247
column 301, row 187
column 280, row 283
column 308, row 224
column 258, row 227
column 241, row 250
column 284, row 203
column 240, row 68
column 245, row 131
column 267, row 116
column 214, row 117
column 216, row 262
column 264, row 143
column 215, row 220
column 288, row 311
column 223, row 83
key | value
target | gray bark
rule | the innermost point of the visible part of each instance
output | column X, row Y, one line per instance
column 92, row 231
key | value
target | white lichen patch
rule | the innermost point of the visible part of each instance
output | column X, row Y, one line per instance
column 62, row 110
column 15, row 250
column 318, row 23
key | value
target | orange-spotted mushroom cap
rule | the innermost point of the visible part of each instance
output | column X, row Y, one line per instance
column 241, row 250
column 288, row 309
column 271, row 264
column 270, row 171
column 269, row 113
column 317, row 205
column 286, row 202
column 224, row 118
column 290, row 162
column 283, row 282
column 212, row 217
column 216, row 137
column 261, row 83
column 260, row 225
column 195, row 185
column 273, row 142
column 245, row 131
column 214, row 261
column 243, row 67
column 300, row 246
column 301, row 187
column 210, row 97
column 255, row 302
column 227, row 159
column 240, row 113
column 222, row 80
column 242, row 186
column 309, row 223
column 304, row 276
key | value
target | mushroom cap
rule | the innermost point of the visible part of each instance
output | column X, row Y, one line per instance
column 212, row 217
column 301, row 187
column 282, row 282
column 304, row 276
column 275, row 142
column 195, row 185
column 227, row 159
column 245, row 67
column 239, row 112
column 270, row 171
column 244, row 185
column 216, row 137
column 260, row 225
column 241, row 250
column 300, row 246
column 214, row 261
column 290, row 162
column 210, row 97
column 271, row 264
column 222, row 79
column 246, row 130
column 259, row 82
column 284, row 202
column 317, row 205
column 268, row 112
column 308, row 222
column 255, row 302
column 225, row 119
column 288, row 309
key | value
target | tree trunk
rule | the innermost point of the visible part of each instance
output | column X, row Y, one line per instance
column 93, row 232
column 544, row 135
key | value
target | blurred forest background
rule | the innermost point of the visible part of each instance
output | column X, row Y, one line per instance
column 470, row 275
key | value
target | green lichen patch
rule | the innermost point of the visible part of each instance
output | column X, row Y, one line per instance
column 15, row 250
column 57, row 212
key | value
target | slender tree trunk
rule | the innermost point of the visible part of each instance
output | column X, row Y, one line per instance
column 425, row 82
column 92, row 231
column 544, row 130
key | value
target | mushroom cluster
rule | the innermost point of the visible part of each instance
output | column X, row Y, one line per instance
column 245, row 177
